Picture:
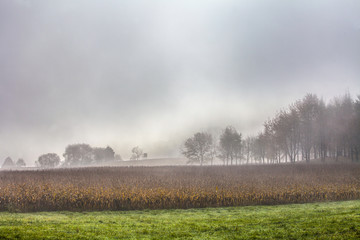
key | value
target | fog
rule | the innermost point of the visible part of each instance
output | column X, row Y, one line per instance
column 149, row 73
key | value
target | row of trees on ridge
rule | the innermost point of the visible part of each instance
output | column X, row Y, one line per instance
column 78, row 155
column 307, row 129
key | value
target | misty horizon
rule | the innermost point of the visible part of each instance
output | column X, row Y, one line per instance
column 125, row 74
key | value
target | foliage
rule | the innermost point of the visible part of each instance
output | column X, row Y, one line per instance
column 78, row 154
column 103, row 154
column 48, row 160
column 91, row 189
column 83, row 154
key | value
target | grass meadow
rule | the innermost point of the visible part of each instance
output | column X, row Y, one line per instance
column 330, row 220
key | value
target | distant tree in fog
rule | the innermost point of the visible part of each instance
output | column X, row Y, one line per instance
column 20, row 163
column 84, row 154
column 230, row 148
column 117, row 157
column 136, row 153
column 214, row 150
column 271, row 145
column 307, row 129
column 103, row 154
column 288, row 127
column 8, row 163
column 259, row 148
column 48, row 160
column 341, row 112
column 248, row 145
column 321, row 142
column 78, row 154
column 355, row 140
column 308, row 110
column 198, row 148
column 310, row 129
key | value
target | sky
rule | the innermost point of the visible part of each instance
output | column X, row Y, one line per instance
column 151, row 73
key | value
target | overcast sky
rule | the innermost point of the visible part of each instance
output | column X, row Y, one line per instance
column 150, row 73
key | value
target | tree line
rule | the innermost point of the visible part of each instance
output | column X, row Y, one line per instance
column 308, row 129
column 83, row 155
column 78, row 155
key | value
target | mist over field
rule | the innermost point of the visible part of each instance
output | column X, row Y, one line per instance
column 151, row 73
column 164, row 119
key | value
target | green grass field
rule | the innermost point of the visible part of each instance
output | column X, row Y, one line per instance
column 332, row 220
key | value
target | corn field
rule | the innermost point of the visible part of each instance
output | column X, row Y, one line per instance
column 129, row 188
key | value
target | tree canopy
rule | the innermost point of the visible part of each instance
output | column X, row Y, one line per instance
column 48, row 160
column 198, row 148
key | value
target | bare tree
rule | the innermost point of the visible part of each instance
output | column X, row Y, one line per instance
column 248, row 144
column 308, row 110
column 356, row 131
column 199, row 148
column 259, row 148
column 310, row 128
column 271, row 141
column 341, row 114
column 213, row 151
column 230, row 145
column 321, row 141
column 286, row 127
column 136, row 153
